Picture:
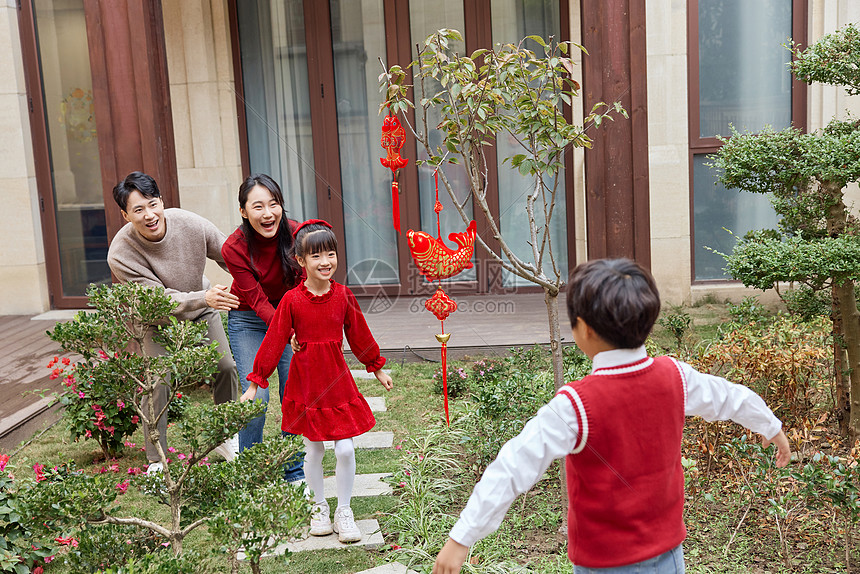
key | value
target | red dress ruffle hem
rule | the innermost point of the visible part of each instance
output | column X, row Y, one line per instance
column 321, row 400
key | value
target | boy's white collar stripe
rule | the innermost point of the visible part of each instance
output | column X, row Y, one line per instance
column 620, row 370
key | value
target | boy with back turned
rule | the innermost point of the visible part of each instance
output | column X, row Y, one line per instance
column 620, row 429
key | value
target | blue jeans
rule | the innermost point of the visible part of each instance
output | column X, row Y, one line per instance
column 246, row 332
column 671, row 562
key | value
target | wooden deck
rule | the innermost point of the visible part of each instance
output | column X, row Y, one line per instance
column 482, row 326
column 25, row 350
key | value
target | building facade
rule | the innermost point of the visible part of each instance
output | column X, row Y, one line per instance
column 200, row 93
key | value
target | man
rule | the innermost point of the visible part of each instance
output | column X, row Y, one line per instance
column 168, row 248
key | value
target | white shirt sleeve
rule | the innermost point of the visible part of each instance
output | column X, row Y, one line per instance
column 521, row 462
column 716, row 399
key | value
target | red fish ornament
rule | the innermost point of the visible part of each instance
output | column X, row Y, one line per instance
column 393, row 138
column 437, row 261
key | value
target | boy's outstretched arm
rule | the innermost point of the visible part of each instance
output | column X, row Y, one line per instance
column 451, row 558
column 783, row 450
column 521, row 462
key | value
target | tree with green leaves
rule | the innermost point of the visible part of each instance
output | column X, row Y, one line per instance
column 246, row 501
column 511, row 92
column 806, row 175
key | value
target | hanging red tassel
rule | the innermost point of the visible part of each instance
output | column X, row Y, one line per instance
column 443, row 338
column 395, row 204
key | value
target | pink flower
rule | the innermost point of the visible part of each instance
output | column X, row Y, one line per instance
column 81, row 394
column 398, row 447
column 122, row 486
column 401, row 484
column 49, row 559
column 103, row 355
column 134, row 471
column 39, row 570
column 395, row 547
column 120, row 404
column 178, row 395
column 54, row 374
column 89, row 433
column 66, row 361
column 97, row 407
column 171, row 449
column 135, row 419
column 39, row 469
column 181, row 456
column 114, row 468
column 4, row 460
column 130, row 444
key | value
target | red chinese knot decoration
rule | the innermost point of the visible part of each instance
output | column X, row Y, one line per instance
column 393, row 138
column 440, row 304
column 435, row 260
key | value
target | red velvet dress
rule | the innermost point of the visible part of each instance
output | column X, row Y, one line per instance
column 321, row 400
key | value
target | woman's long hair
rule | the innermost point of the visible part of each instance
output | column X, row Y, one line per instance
column 285, row 237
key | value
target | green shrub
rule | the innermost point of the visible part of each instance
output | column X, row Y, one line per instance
column 21, row 550
column 806, row 304
column 111, row 546
column 748, row 311
column 457, row 382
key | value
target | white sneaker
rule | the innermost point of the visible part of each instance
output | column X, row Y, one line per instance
column 344, row 525
column 320, row 520
column 154, row 468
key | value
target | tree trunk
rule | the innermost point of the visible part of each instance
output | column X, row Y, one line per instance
column 841, row 393
column 554, row 338
column 851, row 336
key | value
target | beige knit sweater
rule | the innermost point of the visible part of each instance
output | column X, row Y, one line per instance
column 176, row 262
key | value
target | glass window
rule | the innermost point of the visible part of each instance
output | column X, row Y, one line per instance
column 75, row 166
column 743, row 81
column 513, row 20
column 722, row 216
column 277, row 106
column 358, row 42
column 425, row 18
column 743, row 73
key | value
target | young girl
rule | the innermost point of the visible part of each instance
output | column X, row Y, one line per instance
column 321, row 401
column 258, row 256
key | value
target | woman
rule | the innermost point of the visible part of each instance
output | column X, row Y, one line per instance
column 257, row 255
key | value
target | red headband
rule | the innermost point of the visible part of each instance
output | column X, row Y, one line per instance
column 310, row 222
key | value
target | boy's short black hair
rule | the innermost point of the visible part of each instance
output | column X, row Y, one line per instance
column 615, row 297
column 135, row 181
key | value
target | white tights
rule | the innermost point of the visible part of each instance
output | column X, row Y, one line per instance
column 344, row 470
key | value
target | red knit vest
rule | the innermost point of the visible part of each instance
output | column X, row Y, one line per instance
column 624, row 477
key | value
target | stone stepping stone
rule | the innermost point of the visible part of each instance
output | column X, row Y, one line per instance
column 363, row 374
column 390, row 568
column 369, row 440
column 365, row 485
column 377, row 404
column 371, row 539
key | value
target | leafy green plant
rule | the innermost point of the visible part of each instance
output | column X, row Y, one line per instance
column 806, row 176
column 91, row 407
column 195, row 492
column 457, row 382
column 677, row 322
column 832, row 482
column 806, row 303
column 748, row 312
column 21, row 549
column 110, row 546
